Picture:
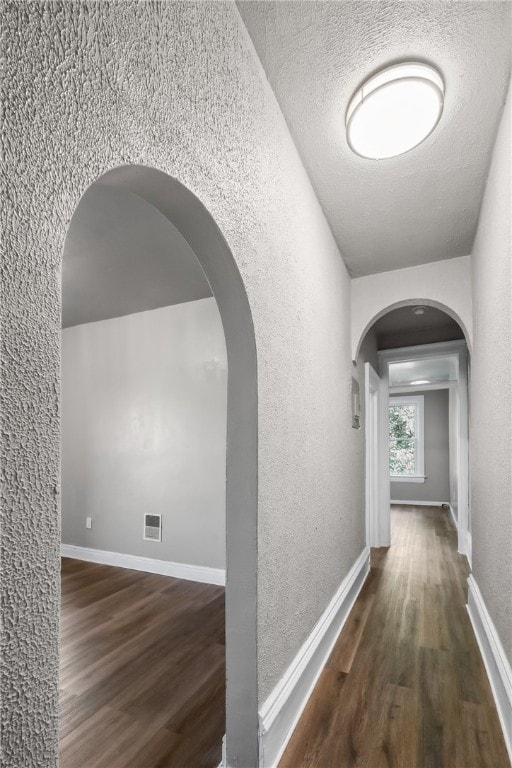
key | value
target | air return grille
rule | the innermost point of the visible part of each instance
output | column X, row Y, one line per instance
column 153, row 527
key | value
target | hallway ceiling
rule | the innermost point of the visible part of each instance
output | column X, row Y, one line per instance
column 123, row 256
column 422, row 206
column 402, row 328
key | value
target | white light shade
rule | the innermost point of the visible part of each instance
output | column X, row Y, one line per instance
column 395, row 110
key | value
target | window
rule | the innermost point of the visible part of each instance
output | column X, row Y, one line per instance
column 406, row 463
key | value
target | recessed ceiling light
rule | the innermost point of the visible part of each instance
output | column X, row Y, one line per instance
column 420, row 381
column 394, row 110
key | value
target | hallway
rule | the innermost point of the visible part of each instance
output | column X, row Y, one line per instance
column 405, row 685
column 321, row 165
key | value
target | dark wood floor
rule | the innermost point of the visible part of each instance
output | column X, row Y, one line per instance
column 142, row 670
column 405, row 686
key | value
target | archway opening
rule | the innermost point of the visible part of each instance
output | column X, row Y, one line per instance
column 439, row 322
column 159, row 372
column 416, row 396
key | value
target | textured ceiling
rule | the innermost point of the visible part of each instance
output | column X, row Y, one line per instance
column 422, row 206
column 123, row 256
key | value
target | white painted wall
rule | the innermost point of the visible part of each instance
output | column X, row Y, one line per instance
column 144, row 430
column 445, row 284
column 491, row 374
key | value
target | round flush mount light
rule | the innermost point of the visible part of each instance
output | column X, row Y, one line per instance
column 394, row 110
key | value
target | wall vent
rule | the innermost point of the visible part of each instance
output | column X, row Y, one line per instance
column 153, row 527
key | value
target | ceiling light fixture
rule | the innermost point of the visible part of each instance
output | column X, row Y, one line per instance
column 420, row 381
column 418, row 310
column 394, row 110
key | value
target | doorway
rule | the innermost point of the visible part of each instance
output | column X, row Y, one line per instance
column 408, row 373
column 198, row 236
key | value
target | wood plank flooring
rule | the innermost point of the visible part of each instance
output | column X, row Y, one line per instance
column 142, row 670
column 405, row 686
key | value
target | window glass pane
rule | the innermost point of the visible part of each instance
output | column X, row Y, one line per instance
column 402, row 439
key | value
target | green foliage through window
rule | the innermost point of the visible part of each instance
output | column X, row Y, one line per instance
column 402, row 439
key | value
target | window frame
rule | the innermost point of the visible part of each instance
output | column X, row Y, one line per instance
column 419, row 438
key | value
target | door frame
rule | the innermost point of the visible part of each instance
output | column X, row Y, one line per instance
column 377, row 518
column 458, row 349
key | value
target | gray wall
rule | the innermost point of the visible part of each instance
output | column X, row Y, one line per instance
column 144, row 430
column 175, row 86
column 437, row 458
column 490, row 400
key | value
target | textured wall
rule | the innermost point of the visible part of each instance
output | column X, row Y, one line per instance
column 144, row 431
column 490, row 400
column 90, row 86
column 311, row 526
column 437, row 458
column 446, row 284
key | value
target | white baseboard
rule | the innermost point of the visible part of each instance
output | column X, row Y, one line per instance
column 223, row 762
column 200, row 573
column 283, row 708
column 455, row 521
column 420, row 503
column 465, row 546
column 469, row 548
column 495, row 660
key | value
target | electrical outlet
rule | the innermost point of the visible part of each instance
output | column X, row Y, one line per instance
column 88, row 522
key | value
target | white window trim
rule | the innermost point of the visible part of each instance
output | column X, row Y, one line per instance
column 419, row 476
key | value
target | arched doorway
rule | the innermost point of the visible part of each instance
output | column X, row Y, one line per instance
column 368, row 316
column 413, row 348
column 201, row 235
